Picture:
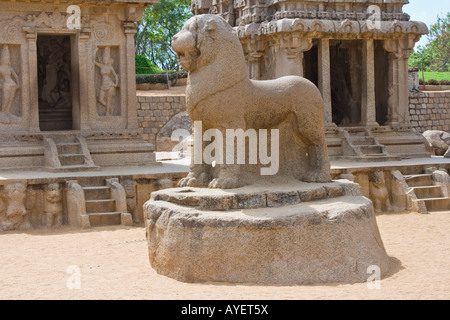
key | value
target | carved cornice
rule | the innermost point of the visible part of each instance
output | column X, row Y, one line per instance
column 346, row 28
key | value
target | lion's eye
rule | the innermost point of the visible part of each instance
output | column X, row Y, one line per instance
column 192, row 27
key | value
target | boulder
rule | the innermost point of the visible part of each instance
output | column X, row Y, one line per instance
column 438, row 140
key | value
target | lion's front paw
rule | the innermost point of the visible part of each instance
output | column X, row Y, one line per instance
column 226, row 183
column 192, row 180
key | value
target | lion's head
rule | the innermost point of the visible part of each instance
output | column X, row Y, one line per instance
column 53, row 193
column 203, row 39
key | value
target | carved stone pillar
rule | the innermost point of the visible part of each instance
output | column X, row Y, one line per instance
column 291, row 57
column 130, row 30
column 398, row 79
column 81, row 120
column 33, row 113
column 404, row 86
column 368, row 106
column 254, row 62
column 325, row 77
column 254, row 53
column 392, row 116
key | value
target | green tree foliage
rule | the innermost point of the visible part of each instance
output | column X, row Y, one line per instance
column 144, row 65
column 159, row 24
column 422, row 57
column 439, row 39
column 435, row 56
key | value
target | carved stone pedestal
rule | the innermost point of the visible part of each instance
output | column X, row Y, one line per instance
column 291, row 233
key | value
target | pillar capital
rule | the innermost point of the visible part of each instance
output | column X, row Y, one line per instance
column 294, row 44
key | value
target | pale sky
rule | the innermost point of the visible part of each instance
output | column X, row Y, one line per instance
column 427, row 12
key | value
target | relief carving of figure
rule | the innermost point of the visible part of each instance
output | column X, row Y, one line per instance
column 379, row 193
column 15, row 215
column 9, row 84
column 53, row 208
column 109, row 81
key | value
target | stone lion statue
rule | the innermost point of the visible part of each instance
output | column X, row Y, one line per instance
column 220, row 94
column 379, row 193
column 53, row 208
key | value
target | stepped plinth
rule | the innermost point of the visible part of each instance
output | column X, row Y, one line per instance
column 267, row 233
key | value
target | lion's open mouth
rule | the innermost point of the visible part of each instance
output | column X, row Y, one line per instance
column 187, row 57
column 193, row 53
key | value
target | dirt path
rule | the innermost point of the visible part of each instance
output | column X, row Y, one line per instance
column 113, row 264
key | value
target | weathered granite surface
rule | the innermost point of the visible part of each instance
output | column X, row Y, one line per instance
column 296, row 233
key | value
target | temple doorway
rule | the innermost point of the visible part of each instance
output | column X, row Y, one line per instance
column 346, row 80
column 54, row 57
column 381, row 83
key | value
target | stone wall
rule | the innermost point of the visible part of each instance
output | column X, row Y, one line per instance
column 156, row 111
column 430, row 110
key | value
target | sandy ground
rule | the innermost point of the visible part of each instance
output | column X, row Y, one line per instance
column 113, row 264
column 173, row 91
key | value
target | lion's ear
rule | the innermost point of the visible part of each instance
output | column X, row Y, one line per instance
column 210, row 25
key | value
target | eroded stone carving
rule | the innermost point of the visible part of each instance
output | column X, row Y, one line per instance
column 221, row 96
column 53, row 207
column 9, row 84
column 399, row 189
column 119, row 195
column 109, row 82
column 14, row 215
column 76, row 205
column 379, row 193
column 102, row 32
column 54, row 19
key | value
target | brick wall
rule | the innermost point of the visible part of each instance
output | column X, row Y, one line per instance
column 430, row 110
column 155, row 111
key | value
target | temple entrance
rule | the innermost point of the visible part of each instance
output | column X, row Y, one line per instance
column 381, row 83
column 54, row 56
column 346, row 81
column 311, row 65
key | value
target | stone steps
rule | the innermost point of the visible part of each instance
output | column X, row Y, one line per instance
column 100, row 207
column 427, row 192
column 437, row 204
column 105, row 219
column 371, row 149
column 69, row 148
column 97, row 201
column 418, row 180
column 364, row 146
column 68, row 153
column 71, row 159
column 424, row 192
column 97, row 192
column 364, row 140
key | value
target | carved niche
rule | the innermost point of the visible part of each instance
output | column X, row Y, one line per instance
column 107, row 81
